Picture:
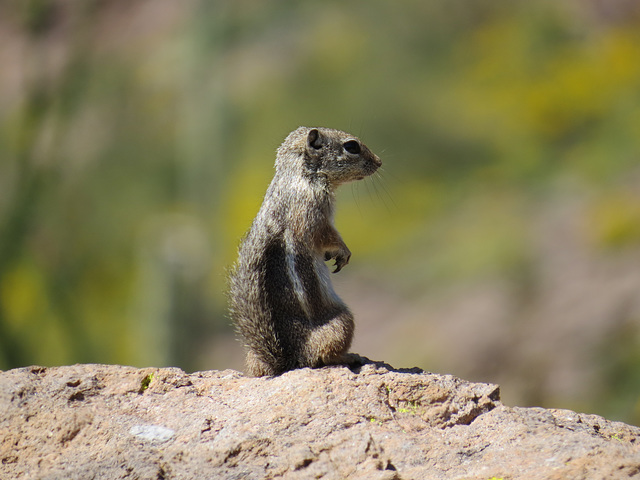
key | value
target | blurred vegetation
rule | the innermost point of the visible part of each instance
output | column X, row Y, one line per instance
column 137, row 140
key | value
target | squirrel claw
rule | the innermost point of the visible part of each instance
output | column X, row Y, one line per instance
column 341, row 261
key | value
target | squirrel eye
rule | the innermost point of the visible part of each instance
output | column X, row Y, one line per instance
column 352, row 147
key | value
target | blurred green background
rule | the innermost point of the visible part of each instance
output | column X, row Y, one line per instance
column 501, row 242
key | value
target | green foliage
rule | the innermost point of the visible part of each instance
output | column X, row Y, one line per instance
column 616, row 220
column 620, row 364
column 133, row 156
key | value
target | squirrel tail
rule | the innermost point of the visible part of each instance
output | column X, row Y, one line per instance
column 253, row 322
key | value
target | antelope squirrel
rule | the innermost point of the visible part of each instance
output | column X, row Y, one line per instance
column 281, row 298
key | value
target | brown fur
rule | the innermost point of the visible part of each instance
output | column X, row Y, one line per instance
column 281, row 298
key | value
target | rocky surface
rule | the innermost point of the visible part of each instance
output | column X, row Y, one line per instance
column 115, row 422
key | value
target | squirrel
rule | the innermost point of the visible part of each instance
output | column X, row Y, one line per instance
column 280, row 295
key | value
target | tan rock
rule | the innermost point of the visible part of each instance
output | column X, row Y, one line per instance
column 115, row 422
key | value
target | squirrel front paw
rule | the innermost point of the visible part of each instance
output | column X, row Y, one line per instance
column 341, row 256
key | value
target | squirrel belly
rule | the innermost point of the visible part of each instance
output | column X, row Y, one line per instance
column 281, row 297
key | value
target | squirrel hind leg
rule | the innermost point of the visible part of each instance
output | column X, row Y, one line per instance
column 329, row 343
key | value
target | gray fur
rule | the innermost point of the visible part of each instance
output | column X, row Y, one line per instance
column 281, row 298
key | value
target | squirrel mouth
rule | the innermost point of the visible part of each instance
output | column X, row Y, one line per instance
column 372, row 168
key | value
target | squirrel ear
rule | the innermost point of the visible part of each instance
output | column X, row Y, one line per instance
column 313, row 139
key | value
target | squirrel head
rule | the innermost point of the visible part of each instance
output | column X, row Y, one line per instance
column 327, row 156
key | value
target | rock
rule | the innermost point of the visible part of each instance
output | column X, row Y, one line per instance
column 115, row 422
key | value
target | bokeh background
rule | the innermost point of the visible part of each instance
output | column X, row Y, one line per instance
column 501, row 242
